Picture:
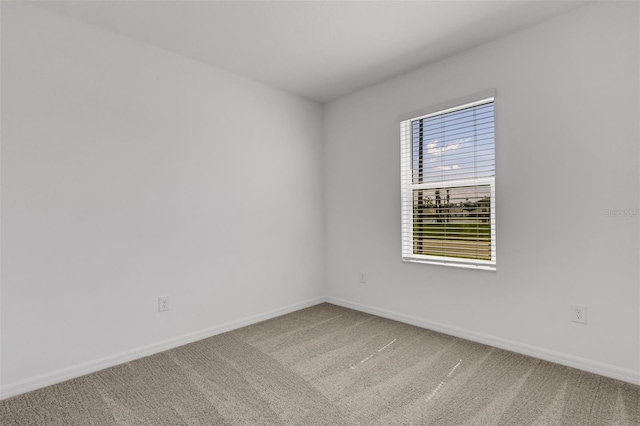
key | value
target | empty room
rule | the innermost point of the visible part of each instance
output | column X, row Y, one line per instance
column 320, row 213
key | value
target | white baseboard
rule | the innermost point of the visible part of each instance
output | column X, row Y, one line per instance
column 72, row 372
column 591, row 366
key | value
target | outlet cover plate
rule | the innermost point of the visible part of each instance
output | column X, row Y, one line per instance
column 579, row 314
column 163, row 303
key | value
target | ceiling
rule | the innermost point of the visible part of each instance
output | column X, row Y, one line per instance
column 320, row 50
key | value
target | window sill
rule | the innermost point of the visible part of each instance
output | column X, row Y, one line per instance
column 480, row 267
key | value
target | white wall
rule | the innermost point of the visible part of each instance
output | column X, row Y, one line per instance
column 128, row 173
column 567, row 149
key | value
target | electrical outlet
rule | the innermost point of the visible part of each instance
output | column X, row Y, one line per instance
column 579, row 314
column 163, row 303
column 363, row 277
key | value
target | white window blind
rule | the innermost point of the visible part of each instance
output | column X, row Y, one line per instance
column 448, row 186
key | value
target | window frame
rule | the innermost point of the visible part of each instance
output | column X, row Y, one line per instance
column 407, row 185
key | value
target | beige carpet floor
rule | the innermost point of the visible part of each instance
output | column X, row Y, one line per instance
column 327, row 365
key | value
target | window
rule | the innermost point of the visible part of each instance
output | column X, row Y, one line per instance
column 448, row 184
